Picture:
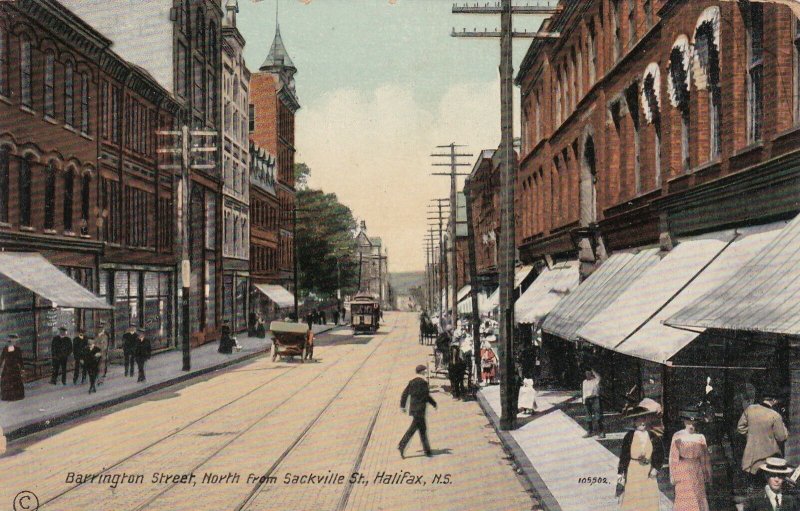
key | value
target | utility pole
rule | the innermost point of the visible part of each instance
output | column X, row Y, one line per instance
column 294, row 265
column 453, row 164
column 507, row 246
column 187, row 146
column 473, row 279
column 440, row 204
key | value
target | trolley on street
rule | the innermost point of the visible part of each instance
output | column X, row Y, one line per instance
column 365, row 311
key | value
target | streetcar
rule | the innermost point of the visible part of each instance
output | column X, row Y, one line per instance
column 365, row 313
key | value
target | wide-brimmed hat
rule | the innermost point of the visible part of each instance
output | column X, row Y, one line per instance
column 690, row 414
column 421, row 369
column 62, row 329
column 645, row 408
column 776, row 466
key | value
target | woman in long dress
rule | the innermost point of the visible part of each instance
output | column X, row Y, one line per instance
column 641, row 457
column 11, row 387
column 527, row 397
column 689, row 466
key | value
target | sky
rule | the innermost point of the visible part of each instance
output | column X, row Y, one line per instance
column 381, row 83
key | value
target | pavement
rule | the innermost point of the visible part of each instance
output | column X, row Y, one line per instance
column 47, row 405
column 265, row 435
column 567, row 472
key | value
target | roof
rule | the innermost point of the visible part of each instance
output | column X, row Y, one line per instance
column 278, row 294
column 762, row 296
column 35, row 273
column 652, row 291
column 376, row 241
column 602, row 287
column 546, row 291
column 278, row 56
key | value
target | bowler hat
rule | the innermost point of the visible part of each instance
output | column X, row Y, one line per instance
column 13, row 337
column 690, row 414
column 421, row 369
column 776, row 466
column 62, row 329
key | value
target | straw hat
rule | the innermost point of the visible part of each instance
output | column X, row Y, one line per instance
column 776, row 466
column 645, row 408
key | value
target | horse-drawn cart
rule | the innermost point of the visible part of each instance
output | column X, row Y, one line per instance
column 288, row 339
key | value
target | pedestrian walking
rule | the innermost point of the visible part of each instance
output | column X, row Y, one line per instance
column 309, row 320
column 323, row 320
column 101, row 340
column 488, row 365
column 591, row 400
column 129, row 343
column 690, row 465
column 60, row 350
column 11, row 371
column 641, row 456
column 142, row 354
column 309, row 347
column 226, row 341
column 765, row 430
column 79, row 344
column 336, row 317
column 91, row 361
column 771, row 497
column 419, row 393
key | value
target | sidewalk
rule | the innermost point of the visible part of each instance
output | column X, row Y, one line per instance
column 47, row 405
column 551, row 450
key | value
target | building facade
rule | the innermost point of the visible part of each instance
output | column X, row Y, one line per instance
column 273, row 104
column 373, row 262
column 484, row 190
column 236, row 174
column 182, row 52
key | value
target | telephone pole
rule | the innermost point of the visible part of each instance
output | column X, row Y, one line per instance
column 473, row 279
column 440, row 204
column 451, row 249
column 187, row 146
column 507, row 245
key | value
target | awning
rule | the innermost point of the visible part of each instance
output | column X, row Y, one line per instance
column 545, row 292
column 652, row 291
column 278, row 294
column 597, row 292
column 465, row 307
column 35, row 273
column 763, row 296
column 494, row 299
column 464, row 293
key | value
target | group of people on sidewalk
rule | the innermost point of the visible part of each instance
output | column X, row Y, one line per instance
column 689, row 457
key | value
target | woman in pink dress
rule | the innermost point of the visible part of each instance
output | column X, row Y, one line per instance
column 689, row 465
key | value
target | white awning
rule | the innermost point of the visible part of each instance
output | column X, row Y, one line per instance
column 464, row 293
column 657, row 342
column 545, row 292
column 652, row 291
column 278, row 294
column 35, row 273
column 465, row 307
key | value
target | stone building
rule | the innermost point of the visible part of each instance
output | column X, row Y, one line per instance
column 373, row 266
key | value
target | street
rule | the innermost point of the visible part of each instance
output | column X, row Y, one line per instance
column 275, row 435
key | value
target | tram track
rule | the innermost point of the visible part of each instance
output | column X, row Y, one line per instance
column 46, row 503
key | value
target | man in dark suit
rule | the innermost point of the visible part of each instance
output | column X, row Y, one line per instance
column 419, row 392
column 79, row 344
column 142, row 353
column 60, row 350
column 771, row 496
column 129, row 342
column 91, row 363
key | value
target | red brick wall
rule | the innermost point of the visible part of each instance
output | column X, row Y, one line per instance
column 263, row 96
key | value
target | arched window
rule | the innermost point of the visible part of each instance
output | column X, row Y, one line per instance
column 592, row 54
column 85, row 103
column 212, row 42
column 4, row 164
column 69, row 94
column 49, row 78
column 678, row 85
column 86, row 189
column 754, row 24
column 25, row 191
column 199, row 31
column 49, row 196
column 69, row 186
column 706, row 75
column 3, row 61
column 651, row 105
column 25, row 71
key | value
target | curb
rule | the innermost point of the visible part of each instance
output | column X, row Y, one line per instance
column 535, row 483
column 43, row 424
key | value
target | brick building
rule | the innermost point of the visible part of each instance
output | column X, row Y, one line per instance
column 178, row 43
column 236, row 174
column 484, row 190
column 665, row 132
column 273, row 104
column 80, row 183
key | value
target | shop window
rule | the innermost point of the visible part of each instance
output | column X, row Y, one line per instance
column 69, row 184
column 49, row 196
column 49, row 78
column 25, row 71
column 755, row 71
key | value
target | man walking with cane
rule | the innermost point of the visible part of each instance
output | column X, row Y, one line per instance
column 419, row 392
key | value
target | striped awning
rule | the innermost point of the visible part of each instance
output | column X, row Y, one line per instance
column 278, row 294
column 598, row 291
column 545, row 292
column 762, row 296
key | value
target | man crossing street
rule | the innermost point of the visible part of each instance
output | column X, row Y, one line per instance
column 420, row 395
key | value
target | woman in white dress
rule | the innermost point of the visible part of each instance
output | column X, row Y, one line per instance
column 641, row 458
column 527, row 397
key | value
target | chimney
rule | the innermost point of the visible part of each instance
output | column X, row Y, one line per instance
column 364, row 226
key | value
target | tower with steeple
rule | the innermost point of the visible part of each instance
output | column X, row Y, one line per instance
column 273, row 105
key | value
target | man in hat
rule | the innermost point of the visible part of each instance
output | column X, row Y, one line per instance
column 591, row 400
column 60, row 350
column 142, row 353
column 765, row 432
column 101, row 340
column 79, row 344
column 420, row 395
column 91, row 360
column 771, row 496
column 129, row 342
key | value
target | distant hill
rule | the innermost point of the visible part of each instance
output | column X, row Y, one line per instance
column 403, row 281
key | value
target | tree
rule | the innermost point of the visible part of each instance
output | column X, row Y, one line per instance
column 326, row 244
column 418, row 294
column 301, row 175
